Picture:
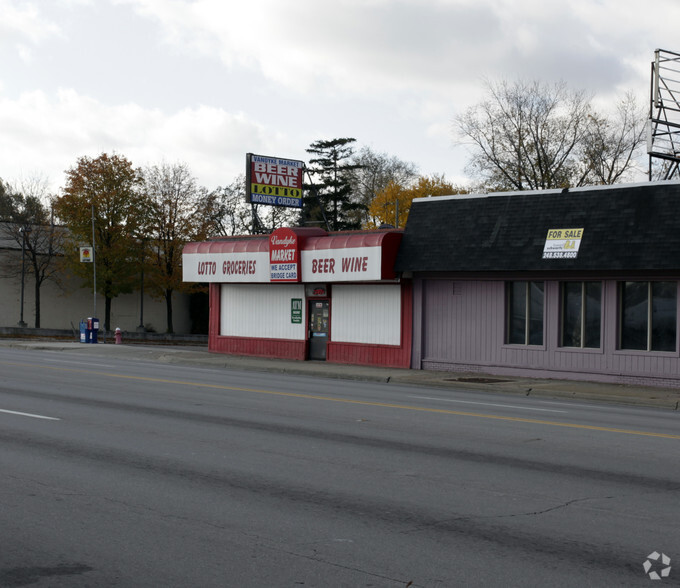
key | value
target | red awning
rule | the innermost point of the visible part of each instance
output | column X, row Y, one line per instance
column 312, row 240
column 239, row 245
column 388, row 241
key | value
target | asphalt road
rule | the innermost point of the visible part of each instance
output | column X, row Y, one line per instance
column 119, row 472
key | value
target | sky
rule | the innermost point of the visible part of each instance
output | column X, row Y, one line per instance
column 204, row 82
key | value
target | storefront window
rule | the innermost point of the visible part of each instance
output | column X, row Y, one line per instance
column 581, row 314
column 648, row 313
column 524, row 313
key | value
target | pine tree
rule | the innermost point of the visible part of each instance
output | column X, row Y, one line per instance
column 330, row 200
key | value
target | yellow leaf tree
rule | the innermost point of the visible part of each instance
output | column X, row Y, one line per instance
column 392, row 205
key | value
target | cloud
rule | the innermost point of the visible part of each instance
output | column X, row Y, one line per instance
column 50, row 133
column 355, row 47
column 204, row 81
column 24, row 21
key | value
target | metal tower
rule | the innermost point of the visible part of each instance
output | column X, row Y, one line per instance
column 663, row 135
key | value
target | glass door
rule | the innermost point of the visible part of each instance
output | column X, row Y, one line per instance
column 319, row 321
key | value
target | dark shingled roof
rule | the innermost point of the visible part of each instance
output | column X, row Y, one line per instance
column 633, row 227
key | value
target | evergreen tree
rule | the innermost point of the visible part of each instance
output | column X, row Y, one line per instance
column 330, row 200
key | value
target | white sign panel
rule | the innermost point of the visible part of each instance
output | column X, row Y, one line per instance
column 342, row 265
column 86, row 254
column 226, row 267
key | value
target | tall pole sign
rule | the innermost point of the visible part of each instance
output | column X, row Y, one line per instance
column 274, row 181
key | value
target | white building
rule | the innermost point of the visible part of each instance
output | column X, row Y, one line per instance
column 64, row 305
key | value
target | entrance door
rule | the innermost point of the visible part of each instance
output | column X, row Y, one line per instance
column 319, row 321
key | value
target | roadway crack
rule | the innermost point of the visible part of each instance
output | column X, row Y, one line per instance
column 471, row 518
column 553, row 508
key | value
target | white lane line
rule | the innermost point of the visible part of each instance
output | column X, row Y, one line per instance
column 28, row 414
column 488, row 404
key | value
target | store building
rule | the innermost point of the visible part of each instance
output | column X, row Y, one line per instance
column 303, row 293
column 579, row 284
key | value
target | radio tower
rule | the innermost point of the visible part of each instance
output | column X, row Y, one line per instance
column 663, row 135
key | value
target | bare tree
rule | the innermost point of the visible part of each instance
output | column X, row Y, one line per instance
column 529, row 136
column 179, row 211
column 374, row 172
column 28, row 222
column 612, row 142
column 233, row 215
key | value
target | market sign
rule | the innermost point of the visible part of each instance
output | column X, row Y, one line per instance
column 284, row 256
column 562, row 243
column 274, row 181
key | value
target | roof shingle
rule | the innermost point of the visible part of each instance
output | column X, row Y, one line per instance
column 625, row 228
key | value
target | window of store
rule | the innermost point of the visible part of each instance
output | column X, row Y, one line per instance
column 524, row 311
column 581, row 314
column 648, row 315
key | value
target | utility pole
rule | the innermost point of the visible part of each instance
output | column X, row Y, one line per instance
column 25, row 230
column 94, row 269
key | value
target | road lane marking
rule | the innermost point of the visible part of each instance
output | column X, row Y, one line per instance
column 28, row 414
column 351, row 401
column 487, row 404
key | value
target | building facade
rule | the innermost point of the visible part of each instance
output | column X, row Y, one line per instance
column 302, row 293
column 576, row 284
column 64, row 302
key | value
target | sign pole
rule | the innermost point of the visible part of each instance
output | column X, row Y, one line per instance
column 94, row 269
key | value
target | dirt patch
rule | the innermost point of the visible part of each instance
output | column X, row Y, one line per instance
column 477, row 380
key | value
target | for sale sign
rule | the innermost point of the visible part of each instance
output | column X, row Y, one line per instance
column 274, row 181
column 562, row 243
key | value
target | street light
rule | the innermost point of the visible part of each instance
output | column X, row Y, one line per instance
column 24, row 231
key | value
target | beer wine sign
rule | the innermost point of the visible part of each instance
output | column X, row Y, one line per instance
column 274, row 181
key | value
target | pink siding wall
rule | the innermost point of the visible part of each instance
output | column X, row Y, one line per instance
column 459, row 326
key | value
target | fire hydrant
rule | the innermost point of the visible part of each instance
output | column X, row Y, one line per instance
column 118, row 336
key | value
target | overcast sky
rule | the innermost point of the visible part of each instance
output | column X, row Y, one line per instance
column 206, row 81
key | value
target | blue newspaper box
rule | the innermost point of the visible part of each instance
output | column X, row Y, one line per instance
column 83, row 332
column 95, row 330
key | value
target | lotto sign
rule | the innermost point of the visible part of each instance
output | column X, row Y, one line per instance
column 274, row 181
column 562, row 243
column 284, row 256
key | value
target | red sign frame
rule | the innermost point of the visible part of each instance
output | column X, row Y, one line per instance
column 284, row 256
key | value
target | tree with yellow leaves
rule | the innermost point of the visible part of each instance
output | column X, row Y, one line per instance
column 392, row 205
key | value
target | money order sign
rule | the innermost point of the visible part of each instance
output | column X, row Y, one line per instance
column 274, row 181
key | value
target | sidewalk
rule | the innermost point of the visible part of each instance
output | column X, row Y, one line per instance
column 668, row 398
